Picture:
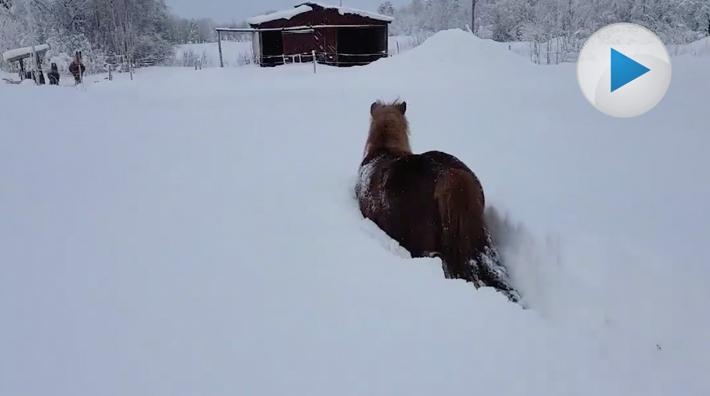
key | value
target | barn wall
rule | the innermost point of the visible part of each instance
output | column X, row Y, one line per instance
column 331, row 46
column 299, row 42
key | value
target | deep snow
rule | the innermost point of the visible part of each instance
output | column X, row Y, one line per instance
column 195, row 232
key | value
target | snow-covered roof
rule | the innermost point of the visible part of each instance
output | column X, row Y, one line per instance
column 285, row 14
column 21, row 53
column 306, row 7
column 355, row 11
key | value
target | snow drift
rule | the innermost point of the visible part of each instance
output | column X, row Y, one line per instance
column 195, row 232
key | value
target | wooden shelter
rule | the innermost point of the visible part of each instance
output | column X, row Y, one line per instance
column 338, row 36
column 34, row 55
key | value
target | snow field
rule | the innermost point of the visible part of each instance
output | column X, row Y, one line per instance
column 196, row 233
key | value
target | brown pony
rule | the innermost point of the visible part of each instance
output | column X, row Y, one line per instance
column 431, row 203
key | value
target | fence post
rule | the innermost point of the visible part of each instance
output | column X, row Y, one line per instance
column 313, row 53
column 219, row 45
column 34, row 66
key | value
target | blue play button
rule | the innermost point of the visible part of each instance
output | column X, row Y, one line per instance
column 624, row 70
column 613, row 70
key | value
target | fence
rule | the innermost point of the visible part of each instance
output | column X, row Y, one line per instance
column 554, row 51
column 326, row 58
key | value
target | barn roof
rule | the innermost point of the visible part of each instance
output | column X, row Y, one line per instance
column 310, row 6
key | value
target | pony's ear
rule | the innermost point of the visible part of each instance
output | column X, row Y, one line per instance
column 402, row 107
column 374, row 106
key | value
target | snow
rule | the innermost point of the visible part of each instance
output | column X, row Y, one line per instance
column 355, row 11
column 285, row 14
column 698, row 48
column 10, row 55
column 301, row 9
column 195, row 232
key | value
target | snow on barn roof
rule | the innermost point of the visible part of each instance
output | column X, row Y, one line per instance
column 285, row 14
column 306, row 7
column 25, row 52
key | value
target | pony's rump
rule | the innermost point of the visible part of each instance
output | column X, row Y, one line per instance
column 460, row 205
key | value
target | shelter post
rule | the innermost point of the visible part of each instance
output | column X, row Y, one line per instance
column 219, row 45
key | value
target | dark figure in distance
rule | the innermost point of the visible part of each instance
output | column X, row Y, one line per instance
column 53, row 75
column 77, row 68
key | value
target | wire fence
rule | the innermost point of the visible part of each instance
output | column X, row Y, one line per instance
column 328, row 58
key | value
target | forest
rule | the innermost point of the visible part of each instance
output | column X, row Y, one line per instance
column 106, row 31
column 562, row 24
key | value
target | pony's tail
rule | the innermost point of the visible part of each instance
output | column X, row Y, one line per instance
column 467, row 249
column 460, row 201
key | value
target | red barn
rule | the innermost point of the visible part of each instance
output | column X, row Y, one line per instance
column 340, row 36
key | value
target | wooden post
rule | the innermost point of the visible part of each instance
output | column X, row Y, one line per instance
column 219, row 45
column 22, row 69
column 313, row 53
column 34, row 66
column 473, row 16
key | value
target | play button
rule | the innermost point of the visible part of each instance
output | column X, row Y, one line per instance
column 624, row 70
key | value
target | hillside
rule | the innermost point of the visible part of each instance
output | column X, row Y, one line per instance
column 195, row 233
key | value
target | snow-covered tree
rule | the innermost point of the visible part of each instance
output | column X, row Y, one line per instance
column 140, row 30
column 386, row 8
column 555, row 27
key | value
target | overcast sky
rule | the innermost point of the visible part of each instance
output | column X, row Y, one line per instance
column 228, row 10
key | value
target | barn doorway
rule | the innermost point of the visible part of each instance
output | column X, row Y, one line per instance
column 272, row 48
column 361, row 45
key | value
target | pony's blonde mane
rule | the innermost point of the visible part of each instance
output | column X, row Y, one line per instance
column 389, row 129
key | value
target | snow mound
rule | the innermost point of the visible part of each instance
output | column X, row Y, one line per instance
column 697, row 48
column 462, row 49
